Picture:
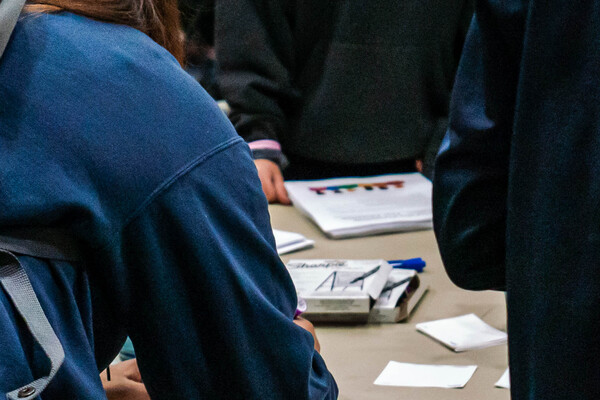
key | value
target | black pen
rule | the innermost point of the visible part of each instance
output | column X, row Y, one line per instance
column 365, row 275
column 396, row 284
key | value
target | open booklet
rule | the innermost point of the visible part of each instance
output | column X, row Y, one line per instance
column 345, row 207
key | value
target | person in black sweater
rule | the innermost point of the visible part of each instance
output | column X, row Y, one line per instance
column 337, row 88
column 197, row 24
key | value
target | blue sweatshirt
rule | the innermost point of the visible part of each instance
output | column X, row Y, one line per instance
column 104, row 135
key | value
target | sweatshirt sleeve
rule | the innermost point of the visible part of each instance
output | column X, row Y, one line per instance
column 471, row 172
column 208, row 298
column 255, row 53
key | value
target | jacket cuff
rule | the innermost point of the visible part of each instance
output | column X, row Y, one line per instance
column 268, row 150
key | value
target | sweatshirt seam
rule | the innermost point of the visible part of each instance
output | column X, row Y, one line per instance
column 167, row 183
column 182, row 171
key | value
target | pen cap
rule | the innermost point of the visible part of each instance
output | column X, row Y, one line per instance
column 301, row 307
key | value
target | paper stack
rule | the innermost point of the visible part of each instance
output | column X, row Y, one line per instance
column 466, row 332
column 290, row 241
column 345, row 207
column 339, row 290
column 399, row 297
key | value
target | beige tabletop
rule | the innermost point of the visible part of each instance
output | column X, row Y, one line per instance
column 356, row 354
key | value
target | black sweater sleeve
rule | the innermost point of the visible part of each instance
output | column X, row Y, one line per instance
column 442, row 125
column 255, row 52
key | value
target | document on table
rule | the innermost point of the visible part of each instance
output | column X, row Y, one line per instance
column 504, row 381
column 420, row 375
column 290, row 241
column 466, row 332
column 345, row 207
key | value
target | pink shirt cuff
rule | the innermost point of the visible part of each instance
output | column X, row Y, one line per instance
column 264, row 144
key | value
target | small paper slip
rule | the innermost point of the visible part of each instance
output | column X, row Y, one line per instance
column 463, row 333
column 419, row 375
column 504, row 381
column 290, row 241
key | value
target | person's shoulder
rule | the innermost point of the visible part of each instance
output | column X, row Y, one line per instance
column 108, row 67
column 120, row 101
column 94, row 47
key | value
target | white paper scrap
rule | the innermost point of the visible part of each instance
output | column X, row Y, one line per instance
column 504, row 381
column 466, row 332
column 290, row 241
column 420, row 375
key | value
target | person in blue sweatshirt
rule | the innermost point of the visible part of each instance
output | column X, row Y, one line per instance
column 105, row 139
column 516, row 188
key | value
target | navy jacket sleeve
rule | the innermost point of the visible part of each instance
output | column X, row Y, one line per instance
column 207, row 232
column 255, row 52
column 471, row 172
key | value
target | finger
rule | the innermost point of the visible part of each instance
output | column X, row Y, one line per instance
column 137, row 391
column 268, row 188
column 280, row 191
column 317, row 344
column 304, row 323
column 419, row 165
column 133, row 371
column 308, row 326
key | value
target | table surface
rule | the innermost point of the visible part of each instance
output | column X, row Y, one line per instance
column 356, row 354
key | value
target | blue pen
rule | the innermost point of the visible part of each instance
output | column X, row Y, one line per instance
column 412, row 263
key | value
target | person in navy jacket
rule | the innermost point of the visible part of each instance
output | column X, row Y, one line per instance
column 516, row 187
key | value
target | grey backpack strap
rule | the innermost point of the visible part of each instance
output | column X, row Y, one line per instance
column 48, row 243
column 9, row 14
column 40, row 243
column 16, row 283
column 13, row 277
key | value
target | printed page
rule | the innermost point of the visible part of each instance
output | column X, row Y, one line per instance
column 398, row 201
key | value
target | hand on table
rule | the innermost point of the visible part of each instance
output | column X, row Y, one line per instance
column 125, row 382
column 419, row 165
column 272, row 181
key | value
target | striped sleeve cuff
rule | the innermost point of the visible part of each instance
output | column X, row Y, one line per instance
column 269, row 150
column 264, row 144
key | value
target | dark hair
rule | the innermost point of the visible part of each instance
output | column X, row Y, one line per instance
column 158, row 19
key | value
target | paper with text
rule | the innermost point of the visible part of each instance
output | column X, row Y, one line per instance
column 344, row 207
